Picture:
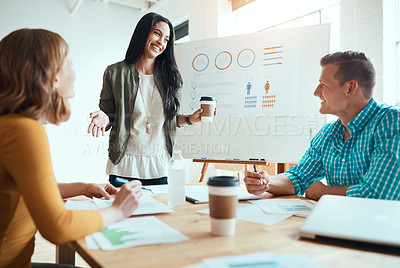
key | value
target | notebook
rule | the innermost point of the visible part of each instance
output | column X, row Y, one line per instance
column 357, row 219
column 198, row 194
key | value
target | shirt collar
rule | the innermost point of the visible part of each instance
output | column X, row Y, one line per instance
column 355, row 125
column 337, row 134
column 360, row 121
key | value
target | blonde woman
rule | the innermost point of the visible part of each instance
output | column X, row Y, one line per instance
column 36, row 79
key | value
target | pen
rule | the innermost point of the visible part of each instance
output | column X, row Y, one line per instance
column 256, row 170
column 123, row 181
column 147, row 189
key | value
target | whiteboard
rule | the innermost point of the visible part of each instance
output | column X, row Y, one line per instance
column 263, row 83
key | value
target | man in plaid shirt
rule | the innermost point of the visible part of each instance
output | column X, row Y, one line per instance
column 359, row 154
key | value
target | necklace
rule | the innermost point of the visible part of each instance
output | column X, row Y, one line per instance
column 147, row 109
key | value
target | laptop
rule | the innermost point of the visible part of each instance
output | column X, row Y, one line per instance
column 357, row 219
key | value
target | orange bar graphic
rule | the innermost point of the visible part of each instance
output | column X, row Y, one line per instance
column 272, row 63
column 267, row 53
column 265, row 48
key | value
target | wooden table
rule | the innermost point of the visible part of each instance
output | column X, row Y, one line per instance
column 231, row 162
column 280, row 238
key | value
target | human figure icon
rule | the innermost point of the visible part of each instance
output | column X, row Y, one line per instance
column 266, row 87
column 248, row 87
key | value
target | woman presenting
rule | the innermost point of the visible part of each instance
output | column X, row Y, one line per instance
column 139, row 102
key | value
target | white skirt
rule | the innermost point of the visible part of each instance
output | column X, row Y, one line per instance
column 140, row 166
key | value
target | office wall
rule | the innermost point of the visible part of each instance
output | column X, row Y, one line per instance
column 369, row 26
column 202, row 15
column 98, row 35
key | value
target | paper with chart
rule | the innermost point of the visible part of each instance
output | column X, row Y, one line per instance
column 251, row 213
column 147, row 205
column 248, row 75
column 293, row 206
column 271, row 211
column 136, row 232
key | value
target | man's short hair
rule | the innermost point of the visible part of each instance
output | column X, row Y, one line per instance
column 353, row 65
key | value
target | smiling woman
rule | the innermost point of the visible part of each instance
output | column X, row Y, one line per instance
column 156, row 42
column 139, row 103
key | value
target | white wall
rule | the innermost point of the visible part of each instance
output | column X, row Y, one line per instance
column 369, row 26
column 98, row 35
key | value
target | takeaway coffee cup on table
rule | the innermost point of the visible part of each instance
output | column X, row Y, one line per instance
column 223, row 198
column 208, row 105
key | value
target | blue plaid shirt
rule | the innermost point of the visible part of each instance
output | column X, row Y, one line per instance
column 369, row 160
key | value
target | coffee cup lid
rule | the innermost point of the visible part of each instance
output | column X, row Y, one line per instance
column 207, row 98
column 223, row 181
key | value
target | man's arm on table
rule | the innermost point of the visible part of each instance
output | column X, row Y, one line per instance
column 318, row 189
column 258, row 183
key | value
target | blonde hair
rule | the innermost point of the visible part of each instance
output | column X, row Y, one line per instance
column 29, row 62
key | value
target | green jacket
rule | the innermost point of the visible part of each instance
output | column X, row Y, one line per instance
column 117, row 100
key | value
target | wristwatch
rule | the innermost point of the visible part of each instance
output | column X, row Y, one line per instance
column 188, row 121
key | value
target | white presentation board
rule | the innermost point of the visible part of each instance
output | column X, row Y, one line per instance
column 263, row 83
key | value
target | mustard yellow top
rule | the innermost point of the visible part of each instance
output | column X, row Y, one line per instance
column 29, row 195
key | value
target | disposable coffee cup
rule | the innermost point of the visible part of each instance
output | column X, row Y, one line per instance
column 223, row 198
column 208, row 105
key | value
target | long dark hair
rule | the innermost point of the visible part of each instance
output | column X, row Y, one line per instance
column 165, row 65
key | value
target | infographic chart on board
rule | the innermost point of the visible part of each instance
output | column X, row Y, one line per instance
column 248, row 74
column 264, row 86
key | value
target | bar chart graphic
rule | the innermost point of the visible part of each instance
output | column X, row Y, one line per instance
column 273, row 56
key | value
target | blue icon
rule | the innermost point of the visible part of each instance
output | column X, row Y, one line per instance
column 248, row 87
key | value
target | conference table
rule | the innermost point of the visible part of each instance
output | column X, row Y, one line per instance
column 280, row 238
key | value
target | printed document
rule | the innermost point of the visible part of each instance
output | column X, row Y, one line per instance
column 133, row 232
column 294, row 206
column 147, row 205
